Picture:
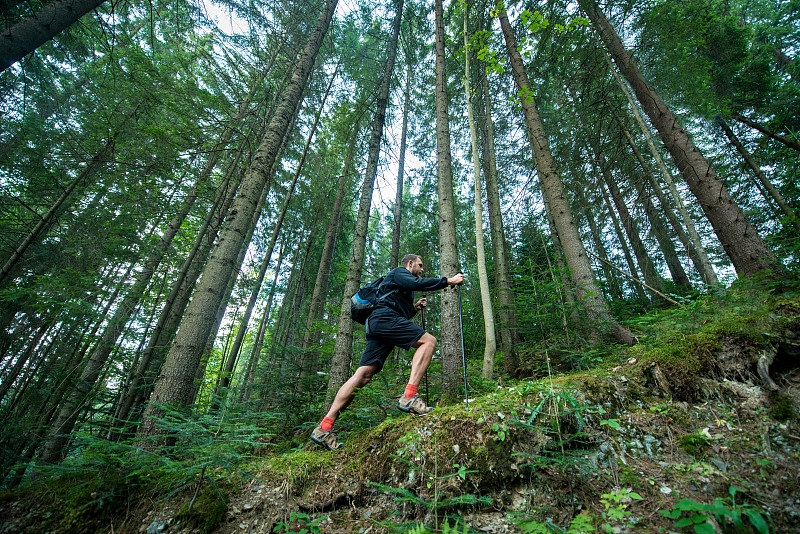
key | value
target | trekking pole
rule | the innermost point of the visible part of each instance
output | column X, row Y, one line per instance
column 427, row 396
column 463, row 352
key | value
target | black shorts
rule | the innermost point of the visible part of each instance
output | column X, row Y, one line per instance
column 385, row 331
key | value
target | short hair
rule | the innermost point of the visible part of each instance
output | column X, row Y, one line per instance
column 409, row 257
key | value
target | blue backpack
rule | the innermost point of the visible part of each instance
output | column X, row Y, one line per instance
column 365, row 300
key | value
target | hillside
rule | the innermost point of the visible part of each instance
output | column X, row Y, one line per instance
column 695, row 429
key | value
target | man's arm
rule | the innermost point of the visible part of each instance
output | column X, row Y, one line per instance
column 406, row 280
column 456, row 280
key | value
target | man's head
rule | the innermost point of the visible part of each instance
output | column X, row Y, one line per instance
column 413, row 263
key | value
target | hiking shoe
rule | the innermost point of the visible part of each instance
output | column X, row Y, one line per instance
column 416, row 405
column 325, row 438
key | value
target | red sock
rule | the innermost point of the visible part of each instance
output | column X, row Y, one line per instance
column 326, row 424
column 411, row 391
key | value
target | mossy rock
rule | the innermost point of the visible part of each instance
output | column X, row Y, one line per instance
column 207, row 511
column 781, row 408
column 695, row 445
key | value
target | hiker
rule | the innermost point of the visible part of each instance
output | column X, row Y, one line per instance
column 388, row 326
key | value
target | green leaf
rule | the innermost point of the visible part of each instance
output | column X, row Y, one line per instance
column 704, row 528
column 613, row 423
column 757, row 520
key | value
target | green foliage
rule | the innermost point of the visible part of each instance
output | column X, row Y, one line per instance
column 404, row 495
column 457, row 528
column 615, row 505
column 298, row 523
column 535, row 21
column 726, row 511
column 102, row 477
column 480, row 41
column 612, row 423
column 565, row 411
column 582, row 523
column 695, row 444
column 711, row 54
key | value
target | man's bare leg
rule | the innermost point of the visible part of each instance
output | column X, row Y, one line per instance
column 410, row 401
column 425, row 346
column 347, row 392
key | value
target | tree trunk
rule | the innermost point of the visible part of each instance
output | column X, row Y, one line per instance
column 765, row 183
column 29, row 34
column 258, row 343
column 599, row 245
column 507, row 311
column 689, row 237
column 71, row 406
column 631, row 228
column 586, row 288
column 10, row 374
column 451, row 345
column 638, row 289
column 175, row 304
column 394, row 258
column 340, row 366
column 175, row 383
column 324, row 271
column 745, row 248
column 659, row 229
column 490, row 345
column 670, row 255
column 234, row 353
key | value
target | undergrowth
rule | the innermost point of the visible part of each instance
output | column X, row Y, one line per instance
column 546, row 425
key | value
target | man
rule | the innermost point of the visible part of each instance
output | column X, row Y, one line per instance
column 389, row 326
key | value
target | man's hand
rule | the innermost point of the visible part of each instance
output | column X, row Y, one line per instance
column 456, row 280
column 421, row 303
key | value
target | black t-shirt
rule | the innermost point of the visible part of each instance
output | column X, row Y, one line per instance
column 404, row 284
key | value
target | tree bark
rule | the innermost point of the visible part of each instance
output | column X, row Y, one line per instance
column 234, row 352
column 659, row 228
column 599, row 245
column 29, row 34
column 451, row 337
column 72, row 405
column 258, row 343
column 631, row 228
column 175, row 383
column 626, row 251
column 745, row 248
column 586, row 288
column 490, row 345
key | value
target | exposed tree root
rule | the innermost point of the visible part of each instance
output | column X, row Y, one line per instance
column 764, row 361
